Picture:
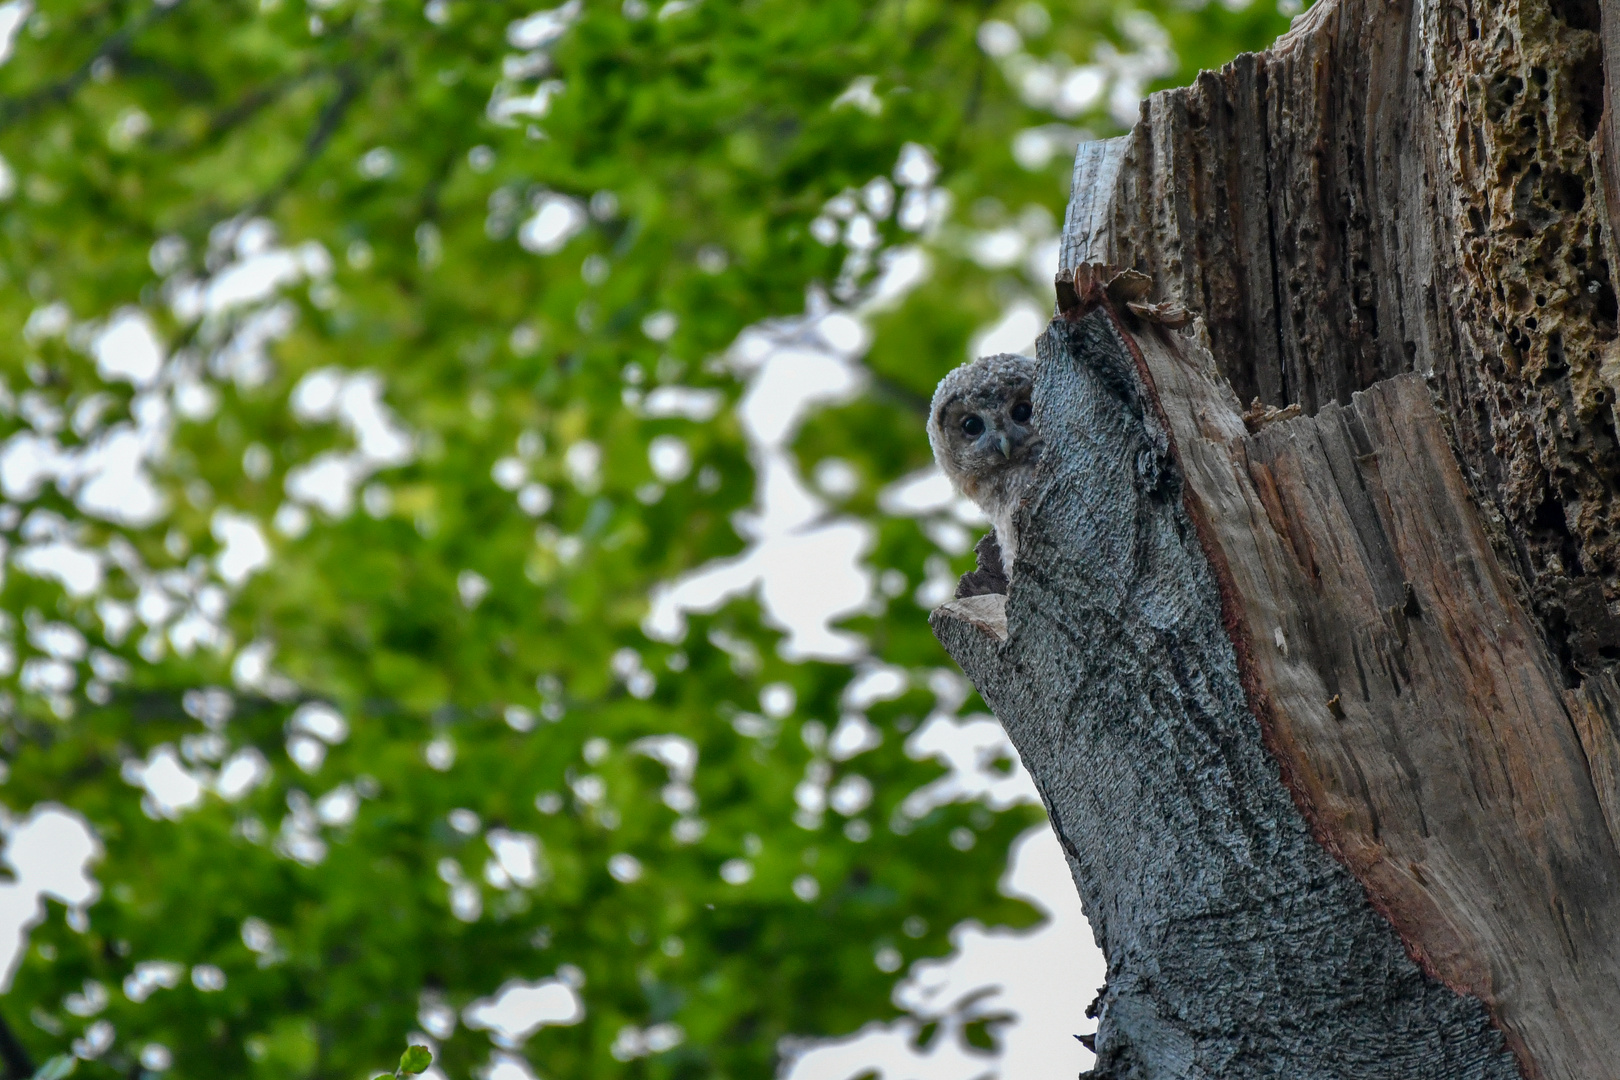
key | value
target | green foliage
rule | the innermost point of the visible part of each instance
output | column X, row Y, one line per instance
column 466, row 627
column 413, row 1061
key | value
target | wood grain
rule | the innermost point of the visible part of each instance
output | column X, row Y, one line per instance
column 1419, row 186
column 1421, row 717
column 1237, row 946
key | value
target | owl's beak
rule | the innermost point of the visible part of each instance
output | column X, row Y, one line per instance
column 1006, row 446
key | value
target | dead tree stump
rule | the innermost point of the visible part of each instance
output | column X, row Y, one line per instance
column 1322, row 701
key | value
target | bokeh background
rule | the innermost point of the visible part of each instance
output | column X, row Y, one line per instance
column 467, row 531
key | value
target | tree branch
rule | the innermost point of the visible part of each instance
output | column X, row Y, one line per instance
column 19, row 1065
column 239, row 112
column 113, row 48
column 326, row 125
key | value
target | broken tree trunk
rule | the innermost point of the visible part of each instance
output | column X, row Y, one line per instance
column 1323, row 706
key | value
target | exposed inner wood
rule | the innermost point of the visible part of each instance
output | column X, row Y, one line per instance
column 987, row 611
column 1410, row 187
column 1421, row 718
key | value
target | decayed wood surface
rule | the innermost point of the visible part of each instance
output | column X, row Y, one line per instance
column 1423, row 723
column 1419, row 186
column 1236, row 944
column 1595, row 708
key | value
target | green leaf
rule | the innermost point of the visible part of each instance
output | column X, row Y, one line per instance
column 414, row 1060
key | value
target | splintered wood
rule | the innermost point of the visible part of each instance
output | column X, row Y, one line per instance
column 1422, row 726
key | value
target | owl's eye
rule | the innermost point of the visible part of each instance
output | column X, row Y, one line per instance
column 1021, row 412
column 973, row 426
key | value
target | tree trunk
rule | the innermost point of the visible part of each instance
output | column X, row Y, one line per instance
column 1322, row 701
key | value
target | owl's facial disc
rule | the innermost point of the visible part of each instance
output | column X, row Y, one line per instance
column 992, row 432
column 982, row 426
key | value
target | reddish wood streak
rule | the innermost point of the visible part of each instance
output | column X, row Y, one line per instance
column 1412, row 914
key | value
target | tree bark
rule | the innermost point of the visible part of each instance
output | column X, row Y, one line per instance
column 1323, row 707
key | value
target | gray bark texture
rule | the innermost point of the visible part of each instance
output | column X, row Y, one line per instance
column 1321, row 694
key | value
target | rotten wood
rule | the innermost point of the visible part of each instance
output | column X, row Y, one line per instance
column 1420, row 187
column 1323, row 696
column 1417, row 710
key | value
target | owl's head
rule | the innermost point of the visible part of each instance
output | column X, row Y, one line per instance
column 981, row 421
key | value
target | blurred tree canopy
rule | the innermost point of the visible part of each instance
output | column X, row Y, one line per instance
column 367, row 366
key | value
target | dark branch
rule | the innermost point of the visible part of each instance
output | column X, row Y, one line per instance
column 326, row 125
column 886, row 389
column 19, row 1065
column 240, row 112
column 114, row 48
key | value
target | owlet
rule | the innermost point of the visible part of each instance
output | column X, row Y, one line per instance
column 981, row 426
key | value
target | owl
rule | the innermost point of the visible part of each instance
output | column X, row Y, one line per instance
column 981, row 426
